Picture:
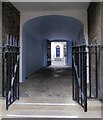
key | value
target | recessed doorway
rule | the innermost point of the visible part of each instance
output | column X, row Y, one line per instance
column 58, row 53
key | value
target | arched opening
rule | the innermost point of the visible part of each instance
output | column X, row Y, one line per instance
column 45, row 82
column 37, row 31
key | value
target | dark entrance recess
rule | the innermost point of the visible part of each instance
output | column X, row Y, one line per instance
column 83, row 90
column 48, row 53
column 10, row 82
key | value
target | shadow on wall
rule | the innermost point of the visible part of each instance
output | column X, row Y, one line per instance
column 37, row 31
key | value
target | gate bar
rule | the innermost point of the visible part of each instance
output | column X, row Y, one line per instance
column 96, row 72
column 89, row 72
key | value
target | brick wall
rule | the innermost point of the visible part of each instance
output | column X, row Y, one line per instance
column 11, row 20
column 94, row 35
column 0, row 49
column 94, row 22
column 101, row 72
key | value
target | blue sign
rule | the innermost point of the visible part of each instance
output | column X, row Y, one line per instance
column 57, row 52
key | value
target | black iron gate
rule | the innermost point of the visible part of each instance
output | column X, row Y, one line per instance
column 10, row 82
column 85, row 63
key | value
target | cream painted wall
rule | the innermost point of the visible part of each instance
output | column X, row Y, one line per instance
column 25, row 16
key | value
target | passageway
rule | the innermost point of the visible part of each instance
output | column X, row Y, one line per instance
column 38, row 35
column 51, row 84
column 38, row 31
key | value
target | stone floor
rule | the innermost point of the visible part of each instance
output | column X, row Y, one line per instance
column 48, row 84
column 48, row 94
column 58, row 63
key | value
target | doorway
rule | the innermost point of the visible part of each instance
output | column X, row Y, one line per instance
column 59, row 53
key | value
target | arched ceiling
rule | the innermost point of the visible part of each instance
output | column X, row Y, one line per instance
column 53, row 27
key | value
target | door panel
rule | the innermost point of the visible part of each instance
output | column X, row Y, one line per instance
column 57, row 52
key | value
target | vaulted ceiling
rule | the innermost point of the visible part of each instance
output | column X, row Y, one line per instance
column 54, row 27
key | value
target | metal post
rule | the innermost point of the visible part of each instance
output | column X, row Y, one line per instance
column 77, row 63
column 81, row 70
column 89, row 72
column 18, row 77
column 72, row 75
column 85, row 79
column 79, row 74
column 7, row 79
column 10, row 72
column 14, row 85
column 96, row 72
column 3, row 72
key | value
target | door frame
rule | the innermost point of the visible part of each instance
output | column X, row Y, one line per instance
column 67, row 58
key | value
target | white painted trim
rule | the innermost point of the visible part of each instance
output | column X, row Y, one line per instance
column 48, row 104
column 40, row 116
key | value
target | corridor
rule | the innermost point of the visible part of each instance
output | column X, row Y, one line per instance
column 49, row 85
column 48, row 93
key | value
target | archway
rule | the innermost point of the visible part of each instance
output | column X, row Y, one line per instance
column 37, row 31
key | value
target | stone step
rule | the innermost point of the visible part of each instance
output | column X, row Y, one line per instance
column 51, row 110
column 44, row 106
